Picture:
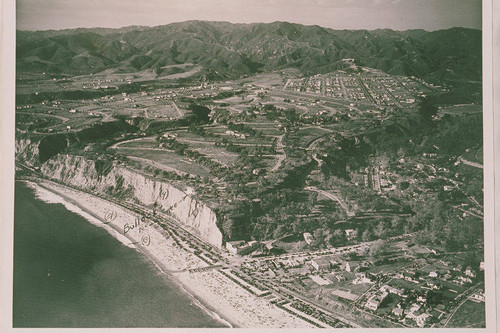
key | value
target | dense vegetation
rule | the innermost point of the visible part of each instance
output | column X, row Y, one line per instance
column 232, row 50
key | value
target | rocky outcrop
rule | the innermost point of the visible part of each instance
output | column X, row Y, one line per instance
column 132, row 185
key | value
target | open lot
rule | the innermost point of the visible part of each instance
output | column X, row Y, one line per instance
column 470, row 314
column 167, row 158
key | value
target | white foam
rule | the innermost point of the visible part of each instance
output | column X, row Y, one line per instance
column 53, row 198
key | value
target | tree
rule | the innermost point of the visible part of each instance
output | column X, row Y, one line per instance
column 338, row 238
column 200, row 113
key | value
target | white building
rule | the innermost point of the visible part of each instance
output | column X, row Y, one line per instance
column 308, row 237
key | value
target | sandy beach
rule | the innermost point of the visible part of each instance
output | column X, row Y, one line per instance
column 211, row 290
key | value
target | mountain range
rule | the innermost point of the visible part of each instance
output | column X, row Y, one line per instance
column 235, row 50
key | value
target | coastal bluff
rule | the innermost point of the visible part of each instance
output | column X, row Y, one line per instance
column 124, row 183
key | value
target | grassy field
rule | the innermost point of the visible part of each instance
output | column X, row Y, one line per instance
column 305, row 136
column 265, row 80
column 168, row 159
column 470, row 314
column 209, row 149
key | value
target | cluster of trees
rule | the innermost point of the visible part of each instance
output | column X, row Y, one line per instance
column 345, row 153
column 407, row 134
column 199, row 113
column 273, row 215
column 52, row 145
column 441, row 226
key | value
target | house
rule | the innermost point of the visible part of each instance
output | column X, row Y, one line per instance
column 308, row 237
column 351, row 266
column 422, row 319
column 410, row 276
column 334, row 264
column 469, row 272
column 463, row 280
column 169, row 136
column 241, row 247
column 320, row 264
column 398, row 312
column 363, row 278
column 413, row 312
column 478, row 297
column 414, row 307
column 233, row 247
column 270, row 245
column 374, row 302
column 433, row 274
column 422, row 298
column 392, row 290
column 351, row 234
column 432, row 285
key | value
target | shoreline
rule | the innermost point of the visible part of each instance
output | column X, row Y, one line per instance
column 67, row 202
column 219, row 297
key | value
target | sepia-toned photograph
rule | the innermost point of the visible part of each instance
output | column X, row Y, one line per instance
column 249, row 164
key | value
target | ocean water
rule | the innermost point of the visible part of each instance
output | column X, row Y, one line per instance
column 70, row 273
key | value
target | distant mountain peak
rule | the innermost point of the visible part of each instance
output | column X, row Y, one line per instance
column 243, row 49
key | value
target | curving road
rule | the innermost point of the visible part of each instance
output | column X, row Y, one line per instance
column 332, row 197
column 280, row 148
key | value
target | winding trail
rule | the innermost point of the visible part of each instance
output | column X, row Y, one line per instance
column 282, row 156
column 466, row 295
column 179, row 112
column 332, row 197
column 63, row 119
column 118, row 144
column 472, row 164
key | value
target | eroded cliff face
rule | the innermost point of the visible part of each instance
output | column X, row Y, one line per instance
column 81, row 172
column 27, row 151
